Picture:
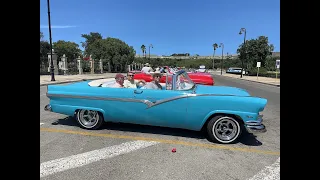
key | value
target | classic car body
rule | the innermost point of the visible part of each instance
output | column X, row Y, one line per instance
column 235, row 70
column 203, row 78
column 222, row 111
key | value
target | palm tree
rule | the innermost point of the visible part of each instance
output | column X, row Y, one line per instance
column 143, row 49
column 215, row 46
column 41, row 35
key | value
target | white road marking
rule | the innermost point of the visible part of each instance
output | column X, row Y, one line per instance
column 58, row 165
column 41, row 124
column 269, row 173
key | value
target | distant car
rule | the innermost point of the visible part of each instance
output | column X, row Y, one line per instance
column 234, row 70
column 203, row 78
column 202, row 69
column 221, row 111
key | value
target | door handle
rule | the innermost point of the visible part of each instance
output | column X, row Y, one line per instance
column 138, row 91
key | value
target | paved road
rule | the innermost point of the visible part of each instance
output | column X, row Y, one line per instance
column 118, row 152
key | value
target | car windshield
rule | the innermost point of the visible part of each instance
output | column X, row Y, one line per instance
column 183, row 82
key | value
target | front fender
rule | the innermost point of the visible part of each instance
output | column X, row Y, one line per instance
column 244, row 116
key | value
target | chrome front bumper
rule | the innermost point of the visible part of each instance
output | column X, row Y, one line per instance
column 48, row 107
column 256, row 127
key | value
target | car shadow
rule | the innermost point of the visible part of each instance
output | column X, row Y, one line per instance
column 246, row 139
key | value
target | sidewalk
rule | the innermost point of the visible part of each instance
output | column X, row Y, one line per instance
column 46, row 79
column 263, row 80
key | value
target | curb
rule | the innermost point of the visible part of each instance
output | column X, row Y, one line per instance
column 64, row 82
column 276, row 85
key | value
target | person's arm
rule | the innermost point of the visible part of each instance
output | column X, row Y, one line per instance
column 137, row 81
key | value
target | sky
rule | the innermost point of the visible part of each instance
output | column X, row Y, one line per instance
column 171, row 26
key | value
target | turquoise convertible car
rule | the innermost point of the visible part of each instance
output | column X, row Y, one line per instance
column 223, row 112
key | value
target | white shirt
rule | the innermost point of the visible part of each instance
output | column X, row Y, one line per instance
column 115, row 85
column 128, row 84
column 146, row 69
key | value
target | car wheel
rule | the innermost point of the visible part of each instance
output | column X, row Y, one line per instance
column 89, row 119
column 224, row 129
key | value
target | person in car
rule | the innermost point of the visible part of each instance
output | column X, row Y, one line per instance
column 130, row 82
column 155, row 84
column 119, row 81
column 147, row 69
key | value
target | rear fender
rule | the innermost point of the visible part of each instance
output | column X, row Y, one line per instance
column 70, row 110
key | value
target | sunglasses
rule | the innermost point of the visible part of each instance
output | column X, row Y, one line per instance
column 131, row 75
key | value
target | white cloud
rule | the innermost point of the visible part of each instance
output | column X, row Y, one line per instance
column 56, row 27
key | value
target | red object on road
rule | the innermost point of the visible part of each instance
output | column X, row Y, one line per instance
column 174, row 150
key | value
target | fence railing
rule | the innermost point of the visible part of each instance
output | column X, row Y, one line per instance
column 72, row 67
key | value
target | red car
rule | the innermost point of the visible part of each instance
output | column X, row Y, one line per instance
column 197, row 77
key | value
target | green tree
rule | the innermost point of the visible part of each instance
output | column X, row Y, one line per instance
column 215, row 47
column 270, row 63
column 113, row 50
column 255, row 50
column 70, row 49
column 89, row 40
column 44, row 50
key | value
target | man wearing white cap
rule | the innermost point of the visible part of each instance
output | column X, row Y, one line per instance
column 147, row 69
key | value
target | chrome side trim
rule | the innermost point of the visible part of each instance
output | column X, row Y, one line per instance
column 145, row 101
column 217, row 95
column 168, row 100
column 185, row 96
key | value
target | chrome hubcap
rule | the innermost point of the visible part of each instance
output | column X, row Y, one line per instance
column 226, row 129
column 88, row 118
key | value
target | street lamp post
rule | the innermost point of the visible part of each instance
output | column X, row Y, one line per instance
column 222, row 46
column 243, row 30
column 149, row 49
column 51, row 64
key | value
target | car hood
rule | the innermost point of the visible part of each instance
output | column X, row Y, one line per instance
column 221, row 90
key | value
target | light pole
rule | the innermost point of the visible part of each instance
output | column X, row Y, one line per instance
column 51, row 64
column 243, row 30
column 150, row 46
column 215, row 46
column 222, row 46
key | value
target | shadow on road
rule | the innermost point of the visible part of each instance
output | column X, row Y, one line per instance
column 247, row 138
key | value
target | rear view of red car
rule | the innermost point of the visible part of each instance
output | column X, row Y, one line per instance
column 198, row 78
